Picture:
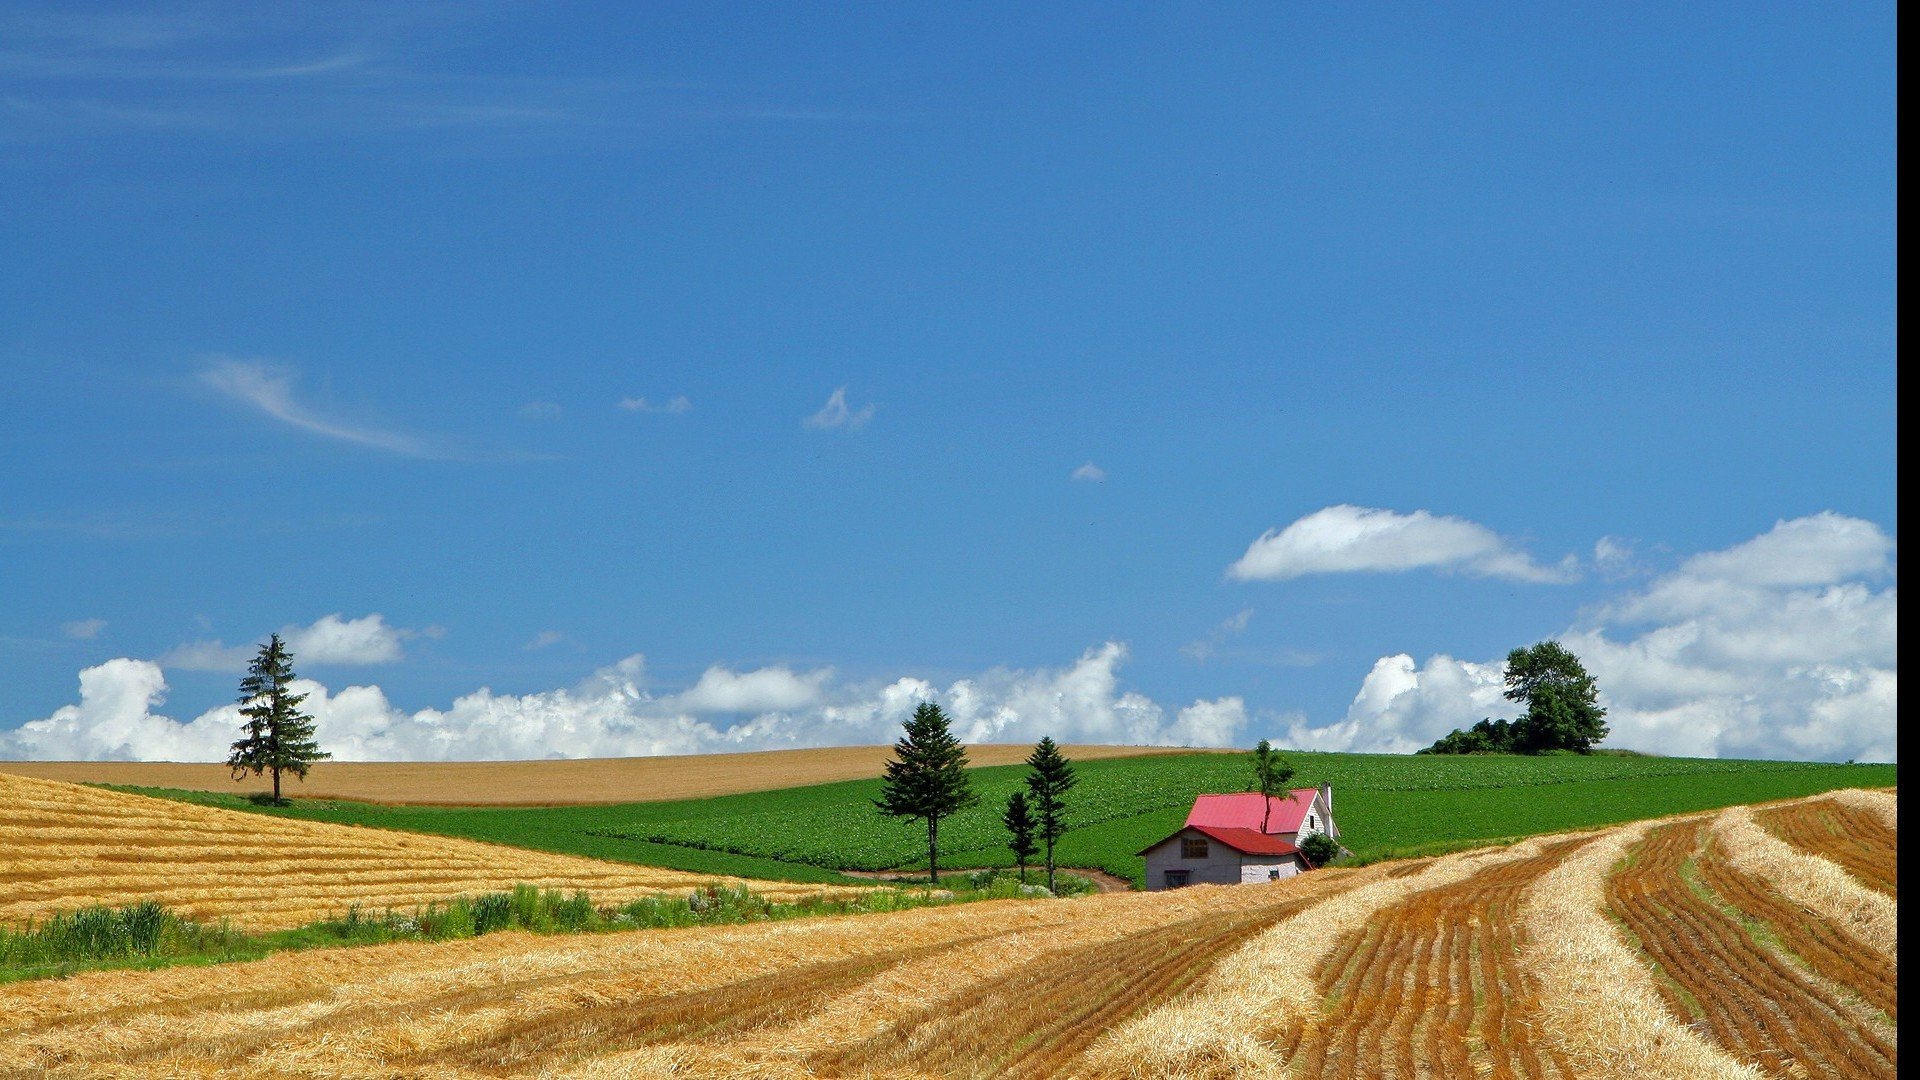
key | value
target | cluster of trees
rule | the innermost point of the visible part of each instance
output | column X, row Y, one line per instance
column 1563, row 708
column 927, row 779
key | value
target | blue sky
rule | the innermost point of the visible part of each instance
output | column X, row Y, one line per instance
column 342, row 312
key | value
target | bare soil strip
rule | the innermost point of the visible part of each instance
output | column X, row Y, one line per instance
column 574, row 782
column 1754, row 1002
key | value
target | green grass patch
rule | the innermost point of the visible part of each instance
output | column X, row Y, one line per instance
column 1387, row 806
column 147, row 935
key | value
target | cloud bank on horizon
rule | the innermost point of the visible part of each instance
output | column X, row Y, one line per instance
column 1783, row 646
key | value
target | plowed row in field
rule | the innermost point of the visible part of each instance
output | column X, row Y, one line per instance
column 63, row 846
column 1719, row 966
column 1420, row 969
column 1856, row 839
column 1432, row 985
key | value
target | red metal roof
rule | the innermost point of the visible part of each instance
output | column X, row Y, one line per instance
column 1248, row 841
column 1243, row 811
column 1245, row 841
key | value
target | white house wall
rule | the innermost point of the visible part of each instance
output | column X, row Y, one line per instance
column 1220, row 867
column 1255, row 869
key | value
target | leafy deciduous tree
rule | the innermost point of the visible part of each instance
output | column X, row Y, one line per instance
column 1271, row 775
column 1563, row 708
column 278, row 736
column 1319, row 848
column 927, row 777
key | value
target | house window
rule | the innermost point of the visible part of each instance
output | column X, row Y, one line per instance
column 1176, row 878
column 1192, row 847
column 1310, row 822
column 1273, row 875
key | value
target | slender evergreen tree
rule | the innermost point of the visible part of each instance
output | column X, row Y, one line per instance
column 1271, row 775
column 1049, row 778
column 278, row 736
column 1020, row 826
column 927, row 778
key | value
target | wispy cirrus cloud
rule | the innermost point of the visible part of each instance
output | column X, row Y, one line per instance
column 678, row 404
column 1090, row 474
column 837, row 414
column 83, row 629
column 269, row 388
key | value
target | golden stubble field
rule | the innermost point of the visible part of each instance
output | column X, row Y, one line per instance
column 64, row 846
column 547, row 783
column 1744, row 943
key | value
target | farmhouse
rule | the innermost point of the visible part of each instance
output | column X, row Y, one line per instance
column 1241, row 839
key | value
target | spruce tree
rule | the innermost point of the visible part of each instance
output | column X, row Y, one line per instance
column 1049, row 778
column 927, row 778
column 1020, row 825
column 278, row 736
column 1271, row 775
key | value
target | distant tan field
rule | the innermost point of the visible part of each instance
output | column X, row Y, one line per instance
column 1742, row 956
column 63, row 846
column 544, row 783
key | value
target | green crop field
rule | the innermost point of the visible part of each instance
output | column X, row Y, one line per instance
column 1386, row 805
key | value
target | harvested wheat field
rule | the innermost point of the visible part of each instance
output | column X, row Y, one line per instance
column 64, row 846
column 569, row 782
column 1688, row 947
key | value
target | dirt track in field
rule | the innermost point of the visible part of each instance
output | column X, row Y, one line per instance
column 547, row 783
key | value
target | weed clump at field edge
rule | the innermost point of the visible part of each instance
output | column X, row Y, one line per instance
column 146, row 934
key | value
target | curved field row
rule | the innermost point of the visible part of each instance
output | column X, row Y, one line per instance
column 64, row 846
column 1433, row 985
column 1756, row 1003
column 1859, row 840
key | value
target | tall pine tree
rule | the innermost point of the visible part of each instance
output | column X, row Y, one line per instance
column 927, row 778
column 1020, row 825
column 278, row 736
column 1049, row 778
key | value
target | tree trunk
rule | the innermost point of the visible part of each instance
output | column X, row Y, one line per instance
column 1050, row 865
column 276, row 785
column 933, row 850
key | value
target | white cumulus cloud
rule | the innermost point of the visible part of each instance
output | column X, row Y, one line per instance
column 1784, row 646
column 1090, row 473
column 614, row 712
column 1350, row 539
column 769, row 689
column 330, row 639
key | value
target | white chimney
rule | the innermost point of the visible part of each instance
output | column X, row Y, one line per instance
column 1326, row 796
